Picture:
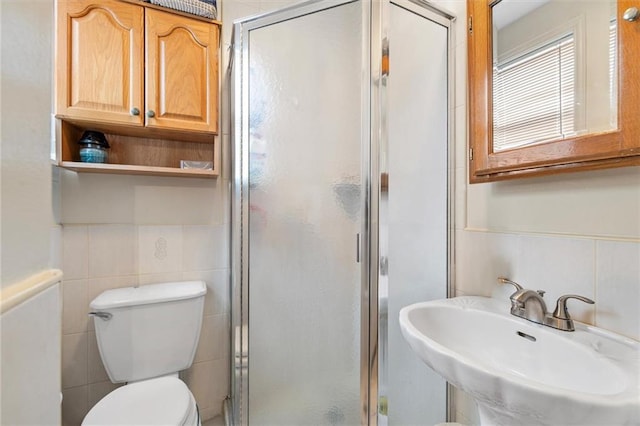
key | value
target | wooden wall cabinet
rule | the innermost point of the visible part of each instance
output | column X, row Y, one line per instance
column 145, row 76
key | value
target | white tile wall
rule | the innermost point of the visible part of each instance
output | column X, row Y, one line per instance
column 160, row 249
column 112, row 250
column 178, row 202
column 232, row 10
column 200, row 379
column 618, row 287
column 55, row 247
column 219, row 335
column 217, row 299
column 76, row 303
column 606, row 271
column 559, row 266
column 207, row 346
column 74, row 360
column 95, row 286
column 460, row 132
column 160, row 277
column 95, row 368
column 481, row 258
column 460, row 215
column 460, row 67
column 75, row 405
column 142, row 200
column 75, row 252
column 205, row 247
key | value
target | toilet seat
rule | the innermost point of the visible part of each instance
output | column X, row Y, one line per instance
column 159, row 401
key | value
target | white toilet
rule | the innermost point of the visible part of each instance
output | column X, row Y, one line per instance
column 146, row 335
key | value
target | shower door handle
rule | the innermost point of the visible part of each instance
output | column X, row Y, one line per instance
column 358, row 248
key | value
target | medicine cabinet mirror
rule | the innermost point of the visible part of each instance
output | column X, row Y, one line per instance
column 554, row 86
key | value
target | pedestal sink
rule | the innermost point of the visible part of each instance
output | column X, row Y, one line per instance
column 522, row 373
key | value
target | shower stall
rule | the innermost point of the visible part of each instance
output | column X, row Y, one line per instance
column 340, row 210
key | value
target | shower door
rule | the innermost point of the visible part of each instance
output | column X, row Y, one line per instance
column 304, row 136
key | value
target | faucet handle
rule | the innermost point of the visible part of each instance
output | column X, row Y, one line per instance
column 503, row 280
column 561, row 311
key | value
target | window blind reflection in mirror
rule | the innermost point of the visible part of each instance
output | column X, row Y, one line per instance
column 554, row 70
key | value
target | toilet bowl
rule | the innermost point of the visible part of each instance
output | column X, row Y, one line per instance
column 146, row 335
column 161, row 401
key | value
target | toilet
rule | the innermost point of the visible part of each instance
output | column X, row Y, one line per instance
column 146, row 335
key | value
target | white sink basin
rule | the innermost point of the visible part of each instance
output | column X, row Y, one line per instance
column 522, row 373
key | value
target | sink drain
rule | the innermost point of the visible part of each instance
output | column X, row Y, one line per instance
column 526, row 336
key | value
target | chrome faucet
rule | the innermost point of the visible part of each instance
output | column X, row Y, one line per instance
column 530, row 305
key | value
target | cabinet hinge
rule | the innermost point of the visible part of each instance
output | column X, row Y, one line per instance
column 470, row 24
column 470, row 154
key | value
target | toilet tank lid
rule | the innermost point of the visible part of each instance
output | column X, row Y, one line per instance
column 147, row 294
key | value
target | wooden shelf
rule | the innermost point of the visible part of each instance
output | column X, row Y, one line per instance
column 137, row 155
column 136, row 170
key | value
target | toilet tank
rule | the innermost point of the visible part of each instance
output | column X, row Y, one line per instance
column 148, row 331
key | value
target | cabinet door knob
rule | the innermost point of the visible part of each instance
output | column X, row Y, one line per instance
column 631, row 14
column 151, row 114
column 135, row 111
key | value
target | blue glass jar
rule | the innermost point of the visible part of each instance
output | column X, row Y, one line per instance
column 93, row 147
column 91, row 153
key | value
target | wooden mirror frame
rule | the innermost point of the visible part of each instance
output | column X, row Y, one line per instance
column 616, row 148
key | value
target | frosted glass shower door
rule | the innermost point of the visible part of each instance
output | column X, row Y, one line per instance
column 304, row 193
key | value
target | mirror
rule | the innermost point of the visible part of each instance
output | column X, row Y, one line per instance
column 554, row 70
column 550, row 87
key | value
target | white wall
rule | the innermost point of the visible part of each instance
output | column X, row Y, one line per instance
column 571, row 233
column 602, row 204
column 30, row 361
column 30, row 348
column 26, row 73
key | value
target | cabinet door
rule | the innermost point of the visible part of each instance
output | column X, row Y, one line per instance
column 181, row 73
column 99, row 61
